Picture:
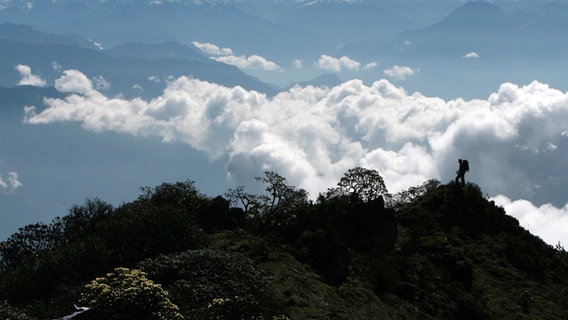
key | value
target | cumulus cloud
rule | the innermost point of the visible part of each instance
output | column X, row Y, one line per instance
column 337, row 64
column 10, row 183
column 471, row 55
column 28, row 78
column 399, row 72
column 516, row 140
column 547, row 221
column 297, row 63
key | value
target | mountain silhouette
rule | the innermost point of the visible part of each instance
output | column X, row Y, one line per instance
column 438, row 252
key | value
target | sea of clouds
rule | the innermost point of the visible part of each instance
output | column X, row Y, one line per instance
column 516, row 140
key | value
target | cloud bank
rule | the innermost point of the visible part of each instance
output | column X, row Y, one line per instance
column 516, row 140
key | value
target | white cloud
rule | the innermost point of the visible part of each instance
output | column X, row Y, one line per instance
column 297, row 63
column 155, row 79
column 371, row 65
column 28, row 78
column 515, row 140
column 10, row 183
column 399, row 72
column 251, row 62
column 56, row 66
column 101, row 83
column 225, row 55
column 547, row 221
column 471, row 55
column 337, row 64
column 212, row 49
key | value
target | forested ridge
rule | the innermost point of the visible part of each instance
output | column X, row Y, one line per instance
column 434, row 251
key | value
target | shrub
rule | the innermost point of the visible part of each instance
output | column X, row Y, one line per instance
column 127, row 294
column 210, row 284
column 8, row 312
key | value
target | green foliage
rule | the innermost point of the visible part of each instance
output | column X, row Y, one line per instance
column 93, row 239
column 28, row 244
column 8, row 312
column 183, row 195
column 328, row 256
column 127, row 294
column 82, row 219
column 412, row 193
column 211, row 284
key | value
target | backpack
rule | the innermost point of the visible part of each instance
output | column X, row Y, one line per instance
column 465, row 165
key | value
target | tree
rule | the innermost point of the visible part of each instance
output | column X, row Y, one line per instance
column 282, row 200
column 362, row 184
column 82, row 218
column 183, row 195
column 128, row 294
column 251, row 204
column 28, row 243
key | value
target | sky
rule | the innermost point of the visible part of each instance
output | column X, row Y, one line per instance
column 515, row 140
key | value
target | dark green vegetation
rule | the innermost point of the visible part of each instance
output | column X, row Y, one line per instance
column 431, row 252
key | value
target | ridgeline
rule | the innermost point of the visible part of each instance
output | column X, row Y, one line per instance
column 431, row 252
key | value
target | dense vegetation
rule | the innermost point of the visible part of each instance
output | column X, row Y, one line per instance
column 357, row 252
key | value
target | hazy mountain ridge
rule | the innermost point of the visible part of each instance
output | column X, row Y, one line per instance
column 126, row 68
column 25, row 33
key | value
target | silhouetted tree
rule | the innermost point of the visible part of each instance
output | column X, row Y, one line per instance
column 361, row 184
column 251, row 204
column 82, row 218
column 28, row 243
column 282, row 200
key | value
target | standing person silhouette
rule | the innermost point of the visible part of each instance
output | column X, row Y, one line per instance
column 463, row 168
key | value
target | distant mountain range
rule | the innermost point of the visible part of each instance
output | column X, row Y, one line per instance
column 132, row 69
column 450, row 45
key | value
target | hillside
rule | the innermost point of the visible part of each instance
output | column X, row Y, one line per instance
column 431, row 252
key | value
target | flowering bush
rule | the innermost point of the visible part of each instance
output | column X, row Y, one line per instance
column 128, row 294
